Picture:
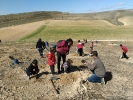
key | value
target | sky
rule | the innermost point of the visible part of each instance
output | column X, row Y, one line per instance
column 71, row 6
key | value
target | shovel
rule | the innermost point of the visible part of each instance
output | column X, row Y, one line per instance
column 51, row 79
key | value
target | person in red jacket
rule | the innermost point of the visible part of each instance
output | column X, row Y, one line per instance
column 125, row 50
column 80, row 48
column 62, row 48
column 51, row 60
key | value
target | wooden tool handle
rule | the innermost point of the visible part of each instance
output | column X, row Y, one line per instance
column 54, row 87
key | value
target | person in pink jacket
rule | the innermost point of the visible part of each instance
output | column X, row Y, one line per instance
column 80, row 48
column 51, row 60
column 125, row 50
column 62, row 48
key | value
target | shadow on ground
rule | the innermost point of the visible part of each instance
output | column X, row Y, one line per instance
column 40, row 74
column 78, row 68
column 108, row 76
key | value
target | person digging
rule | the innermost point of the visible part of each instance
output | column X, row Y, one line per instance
column 32, row 69
column 97, row 68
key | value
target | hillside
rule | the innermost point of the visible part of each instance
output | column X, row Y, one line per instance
column 126, row 20
column 16, row 19
column 22, row 18
column 53, row 30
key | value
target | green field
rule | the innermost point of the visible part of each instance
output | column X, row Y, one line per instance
column 55, row 30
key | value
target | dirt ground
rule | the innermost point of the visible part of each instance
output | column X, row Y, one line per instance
column 14, row 83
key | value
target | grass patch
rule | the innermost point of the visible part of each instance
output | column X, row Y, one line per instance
column 38, row 31
column 99, row 30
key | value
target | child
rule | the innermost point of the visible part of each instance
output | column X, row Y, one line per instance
column 51, row 60
column 124, row 51
column 80, row 48
column 32, row 69
column 66, row 66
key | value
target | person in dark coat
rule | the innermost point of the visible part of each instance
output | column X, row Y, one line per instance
column 40, row 47
column 32, row 69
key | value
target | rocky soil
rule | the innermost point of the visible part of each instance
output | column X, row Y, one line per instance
column 14, row 84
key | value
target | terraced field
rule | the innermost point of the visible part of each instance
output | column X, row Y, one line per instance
column 62, row 29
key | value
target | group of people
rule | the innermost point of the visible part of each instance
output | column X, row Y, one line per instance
column 62, row 48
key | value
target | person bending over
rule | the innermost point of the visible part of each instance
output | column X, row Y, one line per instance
column 32, row 69
column 62, row 48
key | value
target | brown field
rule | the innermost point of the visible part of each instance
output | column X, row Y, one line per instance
column 16, row 32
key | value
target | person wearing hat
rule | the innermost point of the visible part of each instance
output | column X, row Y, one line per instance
column 32, row 69
column 125, row 50
column 97, row 68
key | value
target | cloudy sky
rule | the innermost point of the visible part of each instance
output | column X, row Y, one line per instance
column 71, row 6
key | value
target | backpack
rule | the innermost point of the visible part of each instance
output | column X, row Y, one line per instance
column 61, row 43
column 62, row 46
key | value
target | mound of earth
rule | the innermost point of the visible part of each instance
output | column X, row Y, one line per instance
column 14, row 84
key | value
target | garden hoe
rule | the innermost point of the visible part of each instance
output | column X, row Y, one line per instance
column 54, row 78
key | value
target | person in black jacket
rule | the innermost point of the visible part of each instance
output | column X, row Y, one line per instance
column 32, row 69
column 40, row 47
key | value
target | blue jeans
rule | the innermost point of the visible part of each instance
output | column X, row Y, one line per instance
column 27, row 72
column 94, row 78
column 40, row 50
